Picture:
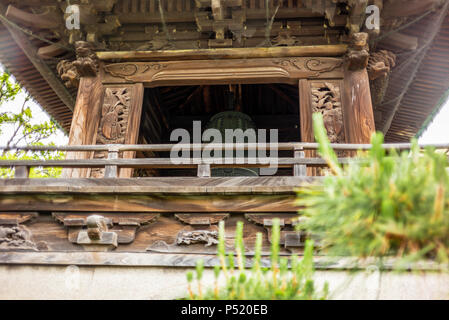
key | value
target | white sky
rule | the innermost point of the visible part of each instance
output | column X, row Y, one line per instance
column 39, row 116
column 438, row 131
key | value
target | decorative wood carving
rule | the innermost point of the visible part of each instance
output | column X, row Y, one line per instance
column 113, row 122
column 87, row 228
column 379, row 68
column 326, row 99
column 16, row 238
column 380, row 64
column 13, row 235
column 198, row 236
column 85, row 65
column 286, row 70
column 114, row 116
column 358, row 52
column 119, row 106
column 68, row 73
column 86, row 60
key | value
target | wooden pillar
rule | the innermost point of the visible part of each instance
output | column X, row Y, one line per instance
column 357, row 106
column 305, row 118
column 85, row 121
column 358, row 109
column 103, row 114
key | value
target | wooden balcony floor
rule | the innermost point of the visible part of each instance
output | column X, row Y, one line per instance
column 190, row 194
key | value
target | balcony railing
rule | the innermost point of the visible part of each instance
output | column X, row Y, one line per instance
column 298, row 162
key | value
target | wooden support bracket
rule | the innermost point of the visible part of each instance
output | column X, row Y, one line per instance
column 291, row 239
column 89, row 228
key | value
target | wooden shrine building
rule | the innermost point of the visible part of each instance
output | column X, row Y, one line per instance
column 136, row 70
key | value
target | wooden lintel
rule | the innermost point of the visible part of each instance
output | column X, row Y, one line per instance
column 225, row 53
column 207, row 72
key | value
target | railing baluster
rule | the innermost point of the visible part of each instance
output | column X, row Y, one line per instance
column 204, row 170
column 299, row 170
column 111, row 171
column 21, row 172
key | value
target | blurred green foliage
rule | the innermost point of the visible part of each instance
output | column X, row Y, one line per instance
column 285, row 279
column 385, row 204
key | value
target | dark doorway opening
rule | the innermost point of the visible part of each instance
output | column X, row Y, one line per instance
column 270, row 106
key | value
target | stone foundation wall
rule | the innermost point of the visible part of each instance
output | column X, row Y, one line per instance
column 118, row 282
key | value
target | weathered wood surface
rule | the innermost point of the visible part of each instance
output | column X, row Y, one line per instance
column 305, row 117
column 119, row 123
column 125, row 226
column 15, row 218
column 225, row 53
column 158, row 236
column 209, row 72
column 46, row 20
column 260, row 219
column 165, row 185
column 201, row 219
column 357, row 107
column 85, row 120
column 226, row 202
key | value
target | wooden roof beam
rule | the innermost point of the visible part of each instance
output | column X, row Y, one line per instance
column 49, row 20
column 226, row 53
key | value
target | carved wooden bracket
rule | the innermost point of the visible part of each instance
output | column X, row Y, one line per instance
column 86, row 60
column 225, row 71
column 379, row 68
column 13, row 235
column 97, row 232
column 358, row 52
column 380, row 64
column 68, row 74
column 85, row 65
column 89, row 228
column 291, row 239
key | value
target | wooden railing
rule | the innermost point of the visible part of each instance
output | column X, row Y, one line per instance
column 298, row 162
